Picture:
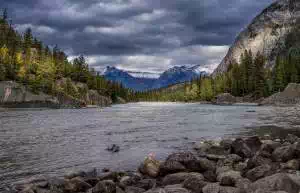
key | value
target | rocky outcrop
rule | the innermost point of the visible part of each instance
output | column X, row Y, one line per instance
column 269, row 166
column 290, row 96
column 13, row 94
column 265, row 34
column 225, row 99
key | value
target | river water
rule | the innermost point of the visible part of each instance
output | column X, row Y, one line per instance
column 52, row 142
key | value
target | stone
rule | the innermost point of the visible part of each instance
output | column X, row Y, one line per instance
column 284, row 153
column 277, row 182
column 227, row 189
column 113, row 148
column 76, row 184
column 130, row 180
column 211, row 188
column 194, row 183
column 243, row 184
column 240, row 148
column 169, row 167
column 119, row 190
column 240, row 166
column 210, row 176
column 292, row 165
column 253, row 143
column 182, row 157
column 132, row 189
column 225, row 99
column 229, row 178
column 178, row 178
column 257, row 160
column 146, row 184
column 106, row 186
column 226, row 144
column 157, row 190
column 259, row 172
column 176, row 190
column 150, row 167
column 292, row 138
column 73, row 174
column 207, row 165
column 223, row 169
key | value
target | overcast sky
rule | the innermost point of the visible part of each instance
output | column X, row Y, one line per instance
column 145, row 35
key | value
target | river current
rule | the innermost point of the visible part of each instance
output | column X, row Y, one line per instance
column 52, row 142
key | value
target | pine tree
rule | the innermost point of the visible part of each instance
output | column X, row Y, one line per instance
column 259, row 76
column 279, row 77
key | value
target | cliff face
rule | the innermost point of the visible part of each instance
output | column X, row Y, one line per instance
column 15, row 95
column 265, row 34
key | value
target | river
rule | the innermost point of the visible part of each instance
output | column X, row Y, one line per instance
column 52, row 142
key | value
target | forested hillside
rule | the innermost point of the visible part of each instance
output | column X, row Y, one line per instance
column 25, row 59
column 247, row 77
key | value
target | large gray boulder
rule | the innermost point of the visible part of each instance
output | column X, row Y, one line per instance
column 277, row 182
column 178, row 178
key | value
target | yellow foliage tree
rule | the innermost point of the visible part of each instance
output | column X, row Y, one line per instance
column 4, row 57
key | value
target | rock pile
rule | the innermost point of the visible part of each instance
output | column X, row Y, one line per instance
column 290, row 96
column 242, row 165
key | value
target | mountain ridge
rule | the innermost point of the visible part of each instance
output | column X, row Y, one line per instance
column 174, row 75
column 265, row 33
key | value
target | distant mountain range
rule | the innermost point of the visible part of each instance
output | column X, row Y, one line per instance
column 142, row 81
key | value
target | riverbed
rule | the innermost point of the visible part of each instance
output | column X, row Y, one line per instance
column 52, row 142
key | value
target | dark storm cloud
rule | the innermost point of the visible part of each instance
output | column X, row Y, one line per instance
column 137, row 34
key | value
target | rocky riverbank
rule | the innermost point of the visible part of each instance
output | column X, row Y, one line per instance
column 243, row 165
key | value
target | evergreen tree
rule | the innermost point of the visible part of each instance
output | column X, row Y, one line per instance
column 279, row 76
column 259, row 76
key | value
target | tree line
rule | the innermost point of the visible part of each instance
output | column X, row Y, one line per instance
column 249, row 77
column 25, row 59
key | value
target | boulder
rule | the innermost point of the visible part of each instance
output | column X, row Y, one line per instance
column 132, row 189
column 207, row 165
column 284, row 153
column 253, row 143
column 129, row 180
column 292, row 138
column 240, row 148
column 210, row 176
column 293, row 164
column 176, row 190
column 169, row 167
column 113, row 148
column 225, row 99
column 243, row 184
column 106, row 186
column 146, row 184
column 259, row 172
column 277, row 182
column 229, row 178
column 290, row 96
column 194, row 183
column 216, row 188
column 178, row 178
column 150, row 167
column 211, row 188
column 182, row 157
column 119, row 190
column 76, row 184
column 257, row 160
column 157, row 190
column 226, row 144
